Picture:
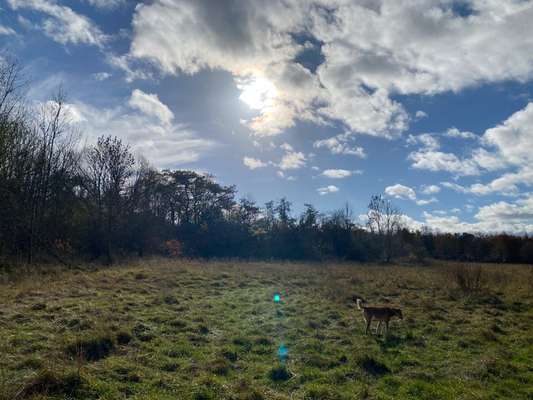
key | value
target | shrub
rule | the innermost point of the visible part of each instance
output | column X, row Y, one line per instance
column 470, row 279
column 173, row 248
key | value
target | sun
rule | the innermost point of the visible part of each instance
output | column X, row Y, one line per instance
column 257, row 92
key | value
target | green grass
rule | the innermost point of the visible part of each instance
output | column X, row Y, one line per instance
column 161, row 329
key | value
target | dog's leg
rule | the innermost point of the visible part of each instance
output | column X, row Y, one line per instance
column 368, row 321
column 378, row 327
column 387, row 328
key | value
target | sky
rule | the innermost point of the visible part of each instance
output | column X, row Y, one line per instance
column 427, row 102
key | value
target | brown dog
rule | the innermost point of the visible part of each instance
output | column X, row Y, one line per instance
column 380, row 314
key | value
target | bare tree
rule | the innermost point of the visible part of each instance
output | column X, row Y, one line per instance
column 107, row 171
column 384, row 220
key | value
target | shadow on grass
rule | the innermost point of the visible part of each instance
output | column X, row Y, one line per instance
column 372, row 366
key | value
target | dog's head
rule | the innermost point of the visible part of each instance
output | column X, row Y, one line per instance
column 356, row 297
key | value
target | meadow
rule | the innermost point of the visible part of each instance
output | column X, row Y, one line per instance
column 178, row 329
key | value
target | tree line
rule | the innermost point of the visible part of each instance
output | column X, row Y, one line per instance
column 60, row 201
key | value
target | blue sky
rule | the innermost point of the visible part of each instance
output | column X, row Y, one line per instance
column 321, row 101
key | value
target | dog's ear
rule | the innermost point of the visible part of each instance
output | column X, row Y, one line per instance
column 356, row 297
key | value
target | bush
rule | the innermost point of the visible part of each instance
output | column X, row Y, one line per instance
column 173, row 248
column 470, row 279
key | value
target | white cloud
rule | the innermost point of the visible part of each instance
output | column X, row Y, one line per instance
column 455, row 186
column 489, row 161
column 62, row 24
column 497, row 217
column 282, row 175
column 506, row 146
column 132, row 68
column 430, row 189
column 165, row 146
column 519, row 213
column 292, row 160
column 101, row 76
column 6, row 31
column 327, row 189
column 513, row 139
column 253, row 163
column 371, row 52
column 106, row 4
column 456, row 133
column 255, row 41
column 440, row 161
column 426, row 140
column 339, row 173
column 150, row 104
column 420, row 114
column 339, row 145
column 426, row 47
column 425, row 202
column 507, row 184
column 286, row 147
column 401, row 192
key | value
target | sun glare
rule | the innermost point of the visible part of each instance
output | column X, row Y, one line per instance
column 257, row 92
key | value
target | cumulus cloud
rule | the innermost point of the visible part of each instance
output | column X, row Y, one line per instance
column 340, row 145
column 497, row 217
column 507, row 184
column 456, row 133
column 101, row 76
column 253, row 163
column 165, row 146
column 63, row 24
column 513, row 139
column 440, row 161
column 420, row 114
column 106, row 4
column 292, row 160
column 327, row 189
column 368, row 53
column 426, row 47
column 426, row 140
column 401, row 192
column 507, row 147
column 256, row 42
column 150, row 104
column 425, row 202
column 430, row 189
column 339, row 173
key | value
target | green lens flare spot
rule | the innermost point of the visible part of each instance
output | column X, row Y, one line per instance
column 283, row 352
column 277, row 298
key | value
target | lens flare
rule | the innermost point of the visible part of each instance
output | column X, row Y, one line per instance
column 283, row 352
column 277, row 298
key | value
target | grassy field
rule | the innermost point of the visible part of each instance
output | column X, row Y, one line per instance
column 161, row 329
